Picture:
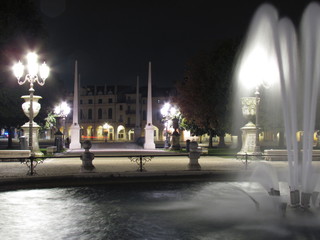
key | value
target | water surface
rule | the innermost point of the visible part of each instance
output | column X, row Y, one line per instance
column 149, row 211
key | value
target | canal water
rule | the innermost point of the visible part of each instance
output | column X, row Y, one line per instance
column 150, row 211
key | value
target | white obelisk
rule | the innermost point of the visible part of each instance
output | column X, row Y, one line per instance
column 149, row 129
column 137, row 128
column 75, row 128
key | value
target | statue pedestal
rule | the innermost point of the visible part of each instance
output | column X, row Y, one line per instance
column 194, row 156
column 75, row 137
column 249, row 134
column 35, row 137
column 175, row 144
column 149, row 137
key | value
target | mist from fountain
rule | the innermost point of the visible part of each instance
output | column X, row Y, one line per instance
column 274, row 51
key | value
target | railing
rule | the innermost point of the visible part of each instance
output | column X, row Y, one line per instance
column 141, row 159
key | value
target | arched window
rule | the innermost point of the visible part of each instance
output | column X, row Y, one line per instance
column 99, row 113
column 110, row 113
column 90, row 114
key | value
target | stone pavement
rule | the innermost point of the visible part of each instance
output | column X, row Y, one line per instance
column 66, row 168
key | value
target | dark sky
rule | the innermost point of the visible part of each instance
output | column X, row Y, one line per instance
column 114, row 40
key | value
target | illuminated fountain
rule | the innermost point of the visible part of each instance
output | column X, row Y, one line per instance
column 273, row 51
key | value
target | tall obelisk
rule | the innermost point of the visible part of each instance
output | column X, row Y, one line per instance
column 137, row 128
column 149, row 129
column 75, row 128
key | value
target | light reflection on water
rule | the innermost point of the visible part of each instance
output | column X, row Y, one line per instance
column 144, row 211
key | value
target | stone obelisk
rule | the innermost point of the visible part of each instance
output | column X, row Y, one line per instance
column 149, row 129
column 75, row 128
column 137, row 128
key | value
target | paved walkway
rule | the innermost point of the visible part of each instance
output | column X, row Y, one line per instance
column 114, row 166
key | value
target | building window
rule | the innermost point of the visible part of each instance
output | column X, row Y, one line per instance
column 99, row 100
column 90, row 101
column 121, row 134
column 81, row 114
column 90, row 114
column 129, row 121
column 80, row 101
column 99, row 113
column 110, row 113
column 110, row 100
column 120, row 107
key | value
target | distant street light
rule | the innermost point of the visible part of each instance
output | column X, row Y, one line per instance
column 33, row 69
column 168, row 112
column 106, row 127
column 62, row 110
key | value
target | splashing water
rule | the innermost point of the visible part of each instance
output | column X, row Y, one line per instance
column 275, row 51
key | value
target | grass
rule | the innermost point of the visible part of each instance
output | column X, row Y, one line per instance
column 223, row 152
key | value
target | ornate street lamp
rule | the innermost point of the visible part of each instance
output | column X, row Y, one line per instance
column 257, row 69
column 62, row 110
column 33, row 69
column 165, row 111
column 169, row 113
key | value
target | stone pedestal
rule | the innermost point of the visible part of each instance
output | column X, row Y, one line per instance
column 175, row 141
column 35, row 127
column 194, row 156
column 87, row 158
column 249, row 134
column 175, row 138
column 149, row 137
column 58, row 141
column 75, row 137
column 35, row 137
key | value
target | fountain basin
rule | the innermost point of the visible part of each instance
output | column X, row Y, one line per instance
column 198, row 210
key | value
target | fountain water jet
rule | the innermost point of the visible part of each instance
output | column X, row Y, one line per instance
column 292, row 61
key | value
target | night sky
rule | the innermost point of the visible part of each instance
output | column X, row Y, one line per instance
column 114, row 40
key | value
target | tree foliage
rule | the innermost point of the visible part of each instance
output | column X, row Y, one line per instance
column 204, row 95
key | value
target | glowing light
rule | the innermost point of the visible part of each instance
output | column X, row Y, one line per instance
column 62, row 109
column 164, row 110
column 259, row 66
column 33, row 69
column 173, row 111
column 44, row 71
column 106, row 126
column 32, row 64
column 18, row 70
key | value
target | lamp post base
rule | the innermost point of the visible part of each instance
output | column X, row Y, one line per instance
column 35, row 137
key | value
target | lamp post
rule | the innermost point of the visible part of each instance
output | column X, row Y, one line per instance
column 165, row 111
column 62, row 110
column 169, row 113
column 257, row 68
column 257, row 96
column 33, row 69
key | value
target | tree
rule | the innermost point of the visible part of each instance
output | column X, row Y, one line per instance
column 204, row 95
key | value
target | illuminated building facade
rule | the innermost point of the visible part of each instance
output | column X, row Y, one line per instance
column 108, row 113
